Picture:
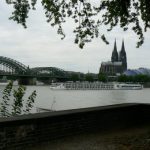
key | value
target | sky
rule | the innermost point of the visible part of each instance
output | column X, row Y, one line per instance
column 40, row 46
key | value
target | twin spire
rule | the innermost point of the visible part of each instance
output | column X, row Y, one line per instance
column 115, row 56
column 121, row 57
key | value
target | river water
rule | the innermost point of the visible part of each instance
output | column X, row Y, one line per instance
column 72, row 99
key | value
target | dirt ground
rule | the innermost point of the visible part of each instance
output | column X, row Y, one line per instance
column 128, row 139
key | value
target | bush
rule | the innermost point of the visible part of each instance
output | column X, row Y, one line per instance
column 13, row 103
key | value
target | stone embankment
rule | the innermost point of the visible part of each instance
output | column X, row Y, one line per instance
column 70, row 127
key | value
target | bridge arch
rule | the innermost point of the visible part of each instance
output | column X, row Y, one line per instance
column 49, row 71
column 12, row 66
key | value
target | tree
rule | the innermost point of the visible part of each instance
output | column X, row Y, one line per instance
column 89, row 17
column 137, row 78
column 102, row 77
column 17, row 105
column 141, row 78
column 89, row 77
column 123, row 78
column 75, row 77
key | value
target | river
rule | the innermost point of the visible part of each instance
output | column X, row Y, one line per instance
column 72, row 99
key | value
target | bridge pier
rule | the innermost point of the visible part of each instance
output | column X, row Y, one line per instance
column 3, row 79
column 27, row 81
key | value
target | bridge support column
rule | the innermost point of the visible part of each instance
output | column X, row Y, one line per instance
column 27, row 81
column 3, row 79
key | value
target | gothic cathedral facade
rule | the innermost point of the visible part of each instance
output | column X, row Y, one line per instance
column 118, row 63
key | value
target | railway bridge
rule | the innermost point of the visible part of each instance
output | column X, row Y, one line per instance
column 14, row 70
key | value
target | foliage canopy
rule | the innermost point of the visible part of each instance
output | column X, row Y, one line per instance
column 88, row 17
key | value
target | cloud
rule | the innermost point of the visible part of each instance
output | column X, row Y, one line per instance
column 39, row 44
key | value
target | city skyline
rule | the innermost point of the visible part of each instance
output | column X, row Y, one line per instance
column 39, row 45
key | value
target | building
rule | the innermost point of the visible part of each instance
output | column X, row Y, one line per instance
column 139, row 71
column 118, row 63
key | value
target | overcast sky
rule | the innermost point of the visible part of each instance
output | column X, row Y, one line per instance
column 39, row 45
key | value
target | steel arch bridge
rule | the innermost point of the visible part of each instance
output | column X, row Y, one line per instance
column 11, row 66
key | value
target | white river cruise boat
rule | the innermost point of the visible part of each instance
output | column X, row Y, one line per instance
column 95, row 86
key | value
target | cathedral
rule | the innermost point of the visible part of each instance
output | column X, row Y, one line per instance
column 118, row 63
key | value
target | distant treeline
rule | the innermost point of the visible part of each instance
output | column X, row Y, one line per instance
column 123, row 78
column 83, row 77
column 137, row 78
column 104, row 78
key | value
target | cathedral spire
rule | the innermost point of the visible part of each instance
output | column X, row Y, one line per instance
column 122, row 56
column 115, row 46
column 114, row 57
column 123, row 47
